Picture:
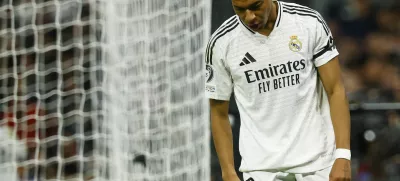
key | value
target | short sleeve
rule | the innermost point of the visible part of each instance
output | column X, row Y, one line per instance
column 325, row 48
column 218, row 81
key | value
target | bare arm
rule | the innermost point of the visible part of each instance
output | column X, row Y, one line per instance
column 339, row 106
column 340, row 114
column 222, row 135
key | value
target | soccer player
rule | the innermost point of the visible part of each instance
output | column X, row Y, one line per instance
column 281, row 62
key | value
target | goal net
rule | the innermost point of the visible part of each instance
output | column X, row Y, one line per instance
column 103, row 90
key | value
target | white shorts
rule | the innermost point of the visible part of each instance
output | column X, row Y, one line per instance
column 320, row 175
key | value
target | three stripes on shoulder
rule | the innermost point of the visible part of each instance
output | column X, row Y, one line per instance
column 305, row 11
column 230, row 25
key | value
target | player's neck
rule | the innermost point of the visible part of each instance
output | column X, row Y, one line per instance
column 269, row 26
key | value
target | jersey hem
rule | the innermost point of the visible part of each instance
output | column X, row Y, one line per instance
column 319, row 164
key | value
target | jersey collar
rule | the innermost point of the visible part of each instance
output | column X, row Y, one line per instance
column 249, row 31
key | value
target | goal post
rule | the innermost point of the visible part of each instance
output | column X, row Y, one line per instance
column 104, row 90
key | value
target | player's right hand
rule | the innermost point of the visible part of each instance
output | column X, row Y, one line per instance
column 230, row 177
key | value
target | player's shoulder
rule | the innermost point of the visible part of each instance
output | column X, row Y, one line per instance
column 228, row 30
column 300, row 13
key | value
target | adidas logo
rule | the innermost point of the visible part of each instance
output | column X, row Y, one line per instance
column 247, row 59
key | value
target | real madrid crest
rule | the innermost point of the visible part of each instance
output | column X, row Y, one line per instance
column 295, row 44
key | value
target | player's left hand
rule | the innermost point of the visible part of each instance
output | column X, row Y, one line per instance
column 341, row 170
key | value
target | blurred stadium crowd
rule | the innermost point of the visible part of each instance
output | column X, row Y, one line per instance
column 367, row 35
column 368, row 38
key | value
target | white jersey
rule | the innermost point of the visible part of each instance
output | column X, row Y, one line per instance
column 285, row 119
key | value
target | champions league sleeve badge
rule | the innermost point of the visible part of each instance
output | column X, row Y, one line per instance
column 209, row 73
column 295, row 44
